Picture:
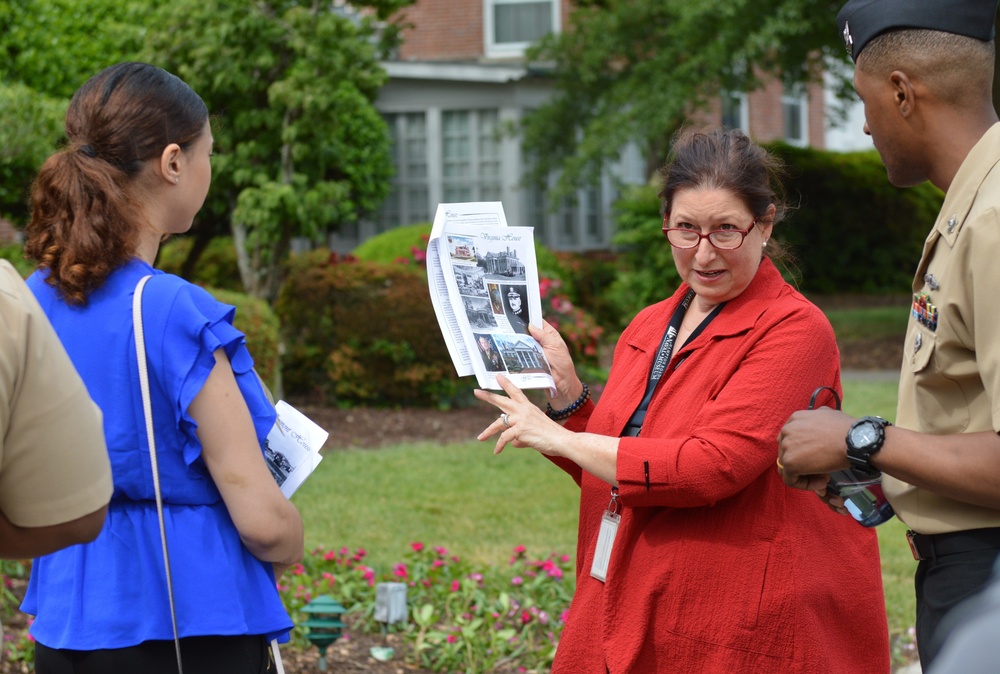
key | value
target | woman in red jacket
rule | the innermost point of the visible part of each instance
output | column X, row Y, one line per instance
column 692, row 554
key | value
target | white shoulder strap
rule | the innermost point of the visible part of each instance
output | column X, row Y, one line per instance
column 140, row 352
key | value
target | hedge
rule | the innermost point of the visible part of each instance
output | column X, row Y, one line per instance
column 364, row 333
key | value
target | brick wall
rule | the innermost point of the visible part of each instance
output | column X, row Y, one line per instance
column 449, row 30
column 443, row 30
column 766, row 114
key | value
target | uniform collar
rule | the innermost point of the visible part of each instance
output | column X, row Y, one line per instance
column 982, row 159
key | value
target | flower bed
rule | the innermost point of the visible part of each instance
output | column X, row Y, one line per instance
column 504, row 618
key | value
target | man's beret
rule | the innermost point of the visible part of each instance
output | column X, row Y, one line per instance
column 860, row 21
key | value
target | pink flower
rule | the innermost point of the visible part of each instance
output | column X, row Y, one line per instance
column 478, row 577
column 437, row 563
column 455, row 586
column 360, row 554
column 298, row 570
column 525, row 617
column 519, row 550
column 425, row 582
column 451, row 639
column 417, row 547
column 441, row 551
column 344, row 551
column 564, row 559
column 516, row 580
column 400, row 571
column 330, row 556
column 564, row 616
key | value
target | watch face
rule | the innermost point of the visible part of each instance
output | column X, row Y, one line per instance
column 864, row 434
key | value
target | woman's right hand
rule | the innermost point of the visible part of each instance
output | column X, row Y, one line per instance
column 568, row 384
column 268, row 524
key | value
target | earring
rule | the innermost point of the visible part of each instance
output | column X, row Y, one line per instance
column 763, row 245
column 177, row 181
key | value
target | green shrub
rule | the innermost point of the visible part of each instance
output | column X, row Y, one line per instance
column 363, row 333
column 31, row 130
column 853, row 232
column 14, row 253
column 401, row 244
column 216, row 267
column 589, row 275
column 647, row 273
column 256, row 320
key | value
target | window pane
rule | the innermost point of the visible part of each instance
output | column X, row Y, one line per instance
column 521, row 21
column 732, row 111
column 793, row 120
column 407, row 199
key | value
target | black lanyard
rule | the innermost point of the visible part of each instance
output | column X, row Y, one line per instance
column 662, row 360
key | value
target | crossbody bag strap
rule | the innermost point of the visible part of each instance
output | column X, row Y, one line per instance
column 140, row 352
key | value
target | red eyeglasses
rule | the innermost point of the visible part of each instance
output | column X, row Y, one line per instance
column 723, row 239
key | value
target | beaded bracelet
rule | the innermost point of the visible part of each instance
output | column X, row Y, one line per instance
column 566, row 413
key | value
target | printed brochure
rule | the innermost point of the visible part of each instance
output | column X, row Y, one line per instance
column 483, row 282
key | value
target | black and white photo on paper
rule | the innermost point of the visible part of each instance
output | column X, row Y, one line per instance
column 521, row 354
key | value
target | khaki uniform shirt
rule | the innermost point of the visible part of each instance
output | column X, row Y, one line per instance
column 950, row 378
column 54, row 465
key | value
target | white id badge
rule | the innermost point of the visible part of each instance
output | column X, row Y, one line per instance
column 605, row 541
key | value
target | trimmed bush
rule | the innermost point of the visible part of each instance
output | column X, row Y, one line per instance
column 406, row 245
column 853, row 232
column 363, row 333
column 216, row 268
column 256, row 320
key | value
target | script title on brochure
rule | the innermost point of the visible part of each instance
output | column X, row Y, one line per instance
column 499, row 237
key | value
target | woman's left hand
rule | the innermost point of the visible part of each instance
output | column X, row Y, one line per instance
column 521, row 423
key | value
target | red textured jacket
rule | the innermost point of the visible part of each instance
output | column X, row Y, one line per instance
column 717, row 566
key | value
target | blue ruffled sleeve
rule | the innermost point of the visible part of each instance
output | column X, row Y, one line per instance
column 184, row 326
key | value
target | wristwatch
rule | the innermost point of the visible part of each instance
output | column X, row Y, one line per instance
column 865, row 438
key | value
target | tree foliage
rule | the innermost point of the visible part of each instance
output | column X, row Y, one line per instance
column 48, row 48
column 634, row 70
column 300, row 148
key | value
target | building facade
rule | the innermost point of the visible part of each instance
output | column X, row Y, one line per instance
column 459, row 84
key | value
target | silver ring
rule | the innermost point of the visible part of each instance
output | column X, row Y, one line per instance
column 505, row 419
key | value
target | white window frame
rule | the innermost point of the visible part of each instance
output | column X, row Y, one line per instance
column 796, row 95
column 511, row 49
column 744, row 108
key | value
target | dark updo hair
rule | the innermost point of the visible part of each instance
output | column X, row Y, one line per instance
column 85, row 214
column 727, row 159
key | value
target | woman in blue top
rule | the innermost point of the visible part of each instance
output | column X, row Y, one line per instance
column 136, row 169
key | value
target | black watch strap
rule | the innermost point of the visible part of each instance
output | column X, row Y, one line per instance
column 860, row 454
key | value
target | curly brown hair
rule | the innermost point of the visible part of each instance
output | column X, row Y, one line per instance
column 85, row 211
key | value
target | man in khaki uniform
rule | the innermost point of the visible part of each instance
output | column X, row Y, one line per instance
column 924, row 72
column 55, row 476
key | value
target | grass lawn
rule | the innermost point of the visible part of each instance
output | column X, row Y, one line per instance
column 868, row 322
column 480, row 506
